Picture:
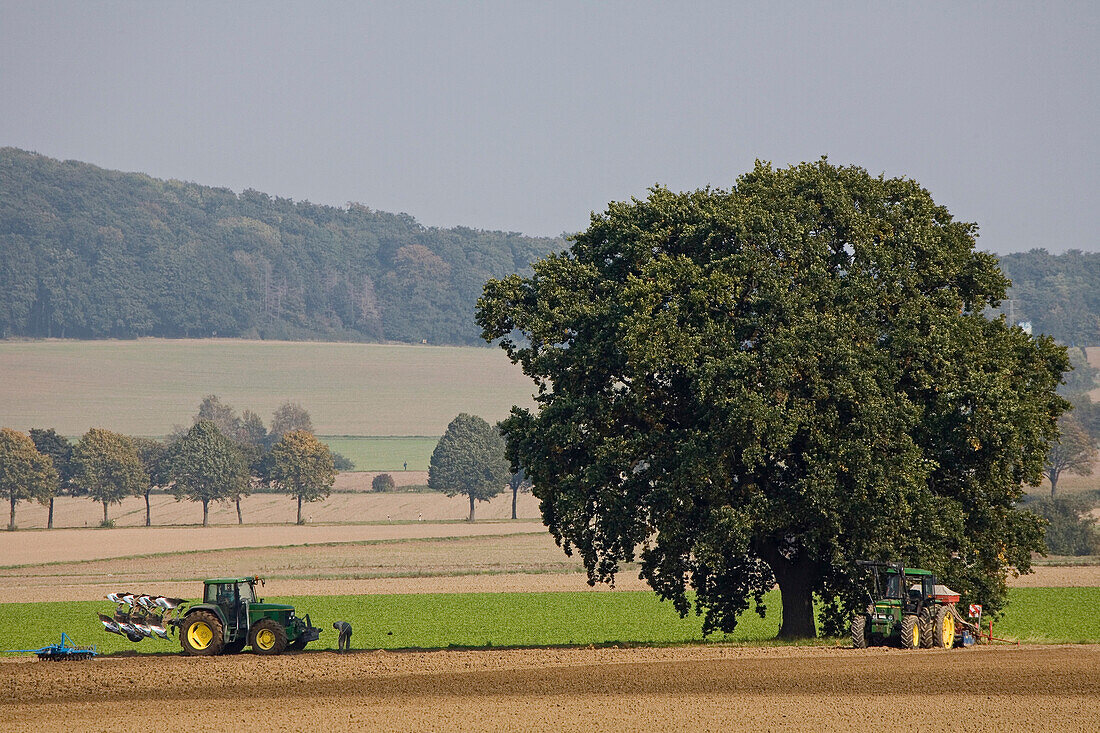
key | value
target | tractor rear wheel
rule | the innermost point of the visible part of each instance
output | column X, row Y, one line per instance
column 267, row 637
column 201, row 635
column 943, row 628
column 859, row 628
column 910, row 631
column 925, row 622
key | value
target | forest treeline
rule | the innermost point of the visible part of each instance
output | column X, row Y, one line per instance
column 95, row 253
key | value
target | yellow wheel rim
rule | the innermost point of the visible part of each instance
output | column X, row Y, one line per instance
column 265, row 639
column 948, row 631
column 916, row 636
column 199, row 635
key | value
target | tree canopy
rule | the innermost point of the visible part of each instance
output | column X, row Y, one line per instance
column 1073, row 452
column 206, row 466
column 764, row 384
column 469, row 460
column 107, row 466
column 302, row 466
column 25, row 473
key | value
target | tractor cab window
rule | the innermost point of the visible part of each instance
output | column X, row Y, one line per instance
column 248, row 595
column 222, row 594
column 928, row 586
column 893, row 586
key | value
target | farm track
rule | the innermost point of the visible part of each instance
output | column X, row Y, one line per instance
column 696, row 688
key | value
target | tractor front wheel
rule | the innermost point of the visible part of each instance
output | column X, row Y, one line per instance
column 201, row 635
column 943, row 629
column 910, row 631
column 267, row 637
column 925, row 622
column 859, row 629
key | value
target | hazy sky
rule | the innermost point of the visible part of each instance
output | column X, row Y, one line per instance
column 527, row 116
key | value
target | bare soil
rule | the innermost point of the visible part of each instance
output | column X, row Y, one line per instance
column 708, row 688
column 357, row 505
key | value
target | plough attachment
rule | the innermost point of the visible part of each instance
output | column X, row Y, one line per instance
column 138, row 615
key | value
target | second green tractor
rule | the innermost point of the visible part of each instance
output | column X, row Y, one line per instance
column 907, row 607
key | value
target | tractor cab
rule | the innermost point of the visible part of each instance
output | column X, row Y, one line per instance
column 233, row 596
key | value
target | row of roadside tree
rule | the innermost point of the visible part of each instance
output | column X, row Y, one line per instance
column 221, row 457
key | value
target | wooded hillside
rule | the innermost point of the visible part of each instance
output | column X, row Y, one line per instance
column 93, row 253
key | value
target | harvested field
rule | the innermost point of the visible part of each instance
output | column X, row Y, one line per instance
column 67, row 545
column 353, row 506
column 145, row 386
column 698, row 688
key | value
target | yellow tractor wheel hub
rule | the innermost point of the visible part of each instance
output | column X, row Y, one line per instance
column 265, row 639
column 916, row 636
column 948, row 631
column 199, row 635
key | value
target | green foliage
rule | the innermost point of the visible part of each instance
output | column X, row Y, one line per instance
column 773, row 381
column 383, row 482
column 1058, row 294
column 96, row 253
column 206, row 466
column 1071, row 528
column 107, row 466
column 25, row 473
column 58, row 448
column 302, row 466
column 469, row 460
column 288, row 417
column 341, row 462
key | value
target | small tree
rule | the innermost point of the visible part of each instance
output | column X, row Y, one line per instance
column 25, row 473
column 154, row 459
column 206, row 466
column 60, row 451
column 1071, row 528
column 108, row 466
column 518, row 484
column 383, row 482
column 302, row 466
column 1074, row 453
column 289, row 417
column 469, row 460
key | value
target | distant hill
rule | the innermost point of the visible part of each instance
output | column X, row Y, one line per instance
column 93, row 253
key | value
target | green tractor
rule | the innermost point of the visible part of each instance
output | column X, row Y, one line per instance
column 230, row 617
column 907, row 607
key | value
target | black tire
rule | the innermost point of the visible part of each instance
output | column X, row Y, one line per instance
column 201, row 634
column 927, row 621
column 262, row 643
column 134, row 636
column 235, row 647
column 910, row 631
column 859, row 628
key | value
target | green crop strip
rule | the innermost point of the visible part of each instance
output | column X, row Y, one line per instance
column 482, row 620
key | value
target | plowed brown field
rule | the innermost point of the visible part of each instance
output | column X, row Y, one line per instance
column 697, row 689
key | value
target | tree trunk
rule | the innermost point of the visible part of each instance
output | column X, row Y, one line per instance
column 515, row 493
column 49, row 519
column 11, row 524
column 148, row 521
column 205, row 511
column 471, row 508
column 104, row 514
column 795, row 577
column 240, row 519
column 1053, row 482
column 299, row 509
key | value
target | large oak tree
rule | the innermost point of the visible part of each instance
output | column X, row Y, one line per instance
column 25, row 473
column 763, row 384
